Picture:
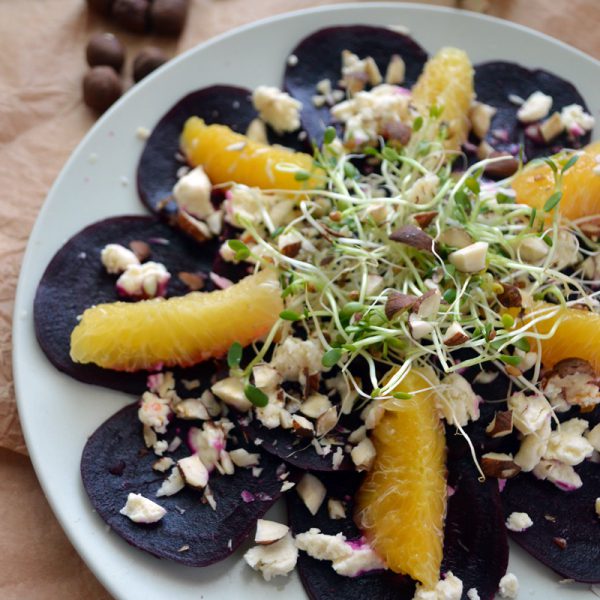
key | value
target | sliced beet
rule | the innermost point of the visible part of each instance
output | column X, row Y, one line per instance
column 319, row 57
column 115, row 462
column 495, row 81
column 475, row 548
column 320, row 581
column 294, row 450
column 75, row 279
column 475, row 540
column 556, row 516
column 160, row 160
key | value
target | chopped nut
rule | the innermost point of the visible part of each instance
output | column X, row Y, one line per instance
column 499, row 465
column 195, row 228
column 397, row 303
column 141, row 249
column 327, row 421
column 502, row 168
column 396, row 69
column 533, row 249
column 315, row 405
column 312, row 492
column 428, row 304
column 560, row 542
column 363, row 455
column 336, row 509
column 231, row 391
column 510, row 296
column 242, row 458
column 455, row 237
column 481, row 118
column 470, row 259
column 194, row 281
column 372, row 71
column 269, row 532
column 423, row 219
column 455, row 335
column 418, row 327
column 413, row 236
column 501, row 425
column 303, row 427
column 257, row 131
column 552, row 127
column 193, row 471
column 535, row 108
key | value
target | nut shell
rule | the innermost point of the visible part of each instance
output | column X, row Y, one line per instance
column 168, row 16
column 101, row 88
column 105, row 49
column 149, row 59
column 132, row 15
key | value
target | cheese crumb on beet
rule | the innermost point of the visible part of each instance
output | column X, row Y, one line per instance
column 274, row 559
column 518, row 521
column 142, row 510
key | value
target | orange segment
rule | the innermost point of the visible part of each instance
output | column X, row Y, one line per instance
column 228, row 156
column 581, row 186
column 576, row 336
column 447, row 81
column 401, row 505
column 179, row 331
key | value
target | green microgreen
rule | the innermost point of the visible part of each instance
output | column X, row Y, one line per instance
column 256, row 396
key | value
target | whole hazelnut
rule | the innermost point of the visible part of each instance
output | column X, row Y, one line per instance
column 131, row 14
column 105, row 49
column 168, row 16
column 102, row 6
column 149, row 59
column 101, row 88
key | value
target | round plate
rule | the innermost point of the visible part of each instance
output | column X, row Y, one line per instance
column 98, row 181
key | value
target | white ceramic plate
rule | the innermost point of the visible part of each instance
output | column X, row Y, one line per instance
column 58, row 414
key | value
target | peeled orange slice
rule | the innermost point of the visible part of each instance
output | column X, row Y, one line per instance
column 179, row 331
column 580, row 187
column 401, row 505
column 447, row 81
column 228, row 156
column 576, row 336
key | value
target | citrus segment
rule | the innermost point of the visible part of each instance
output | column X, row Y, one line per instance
column 180, row 331
column 447, row 81
column 580, row 186
column 401, row 505
column 229, row 156
column 576, row 335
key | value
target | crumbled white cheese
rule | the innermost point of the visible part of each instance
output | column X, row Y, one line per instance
column 356, row 72
column 367, row 115
column 142, row 510
column 535, row 108
column 277, row 108
column 117, row 258
column 530, row 413
column 509, row 586
column 448, row 588
column 192, row 193
column 243, row 203
column 562, row 476
column 273, row 559
column 457, row 401
column 518, row 521
column 593, row 437
column 154, row 412
column 473, row 594
column 144, row 281
column 160, row 447
column 576, row 120
column 532, row 449
column 295, row 358
column 567, row 443
column 362, row 560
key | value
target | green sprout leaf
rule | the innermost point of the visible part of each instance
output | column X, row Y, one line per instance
column 402, row 396
column 552, row 165
column 290, row 315
column 510, row 360
column 390, row 154
column 570, row 163
column 552, row 201
column 242, row 252
column 331, row 357
column 234, row 356
column 417, row 123
column 450, row 295
column 329, row 135
column 532, row 217
column 256, row 396
column 522, row 344
column 301, row 175
column 507, row 321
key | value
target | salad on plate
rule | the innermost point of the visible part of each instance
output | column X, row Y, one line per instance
column 373, row 292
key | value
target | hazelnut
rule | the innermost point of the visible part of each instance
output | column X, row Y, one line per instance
column 398, row 302
column 502, row 168
column 102, row 6
column 105, row 49
column 101, row 88
column 168, row 16
column 132, row 15
column 413, row 236
column 149, row 59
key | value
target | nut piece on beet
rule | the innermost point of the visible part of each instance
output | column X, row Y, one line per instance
column 148, row 60
column 312, row 492
column 102, row 87
column 193, row 471
column 131, row 15
column 168, row 16
column 499, row 465
column 105, row 49
column 102, row 6
column 269, row 532
column 501, row 425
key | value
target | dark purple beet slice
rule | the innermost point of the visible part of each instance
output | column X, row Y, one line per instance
column 223, row 104
column 557, row 514
column 319, row 57
column 475, row 549
column 475, row 540
column 494, row 81
column 75, row 279
column 320, row 581
column 297, row 451
column 115, row 462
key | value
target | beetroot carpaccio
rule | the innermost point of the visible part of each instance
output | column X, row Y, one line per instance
column 395, row 245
